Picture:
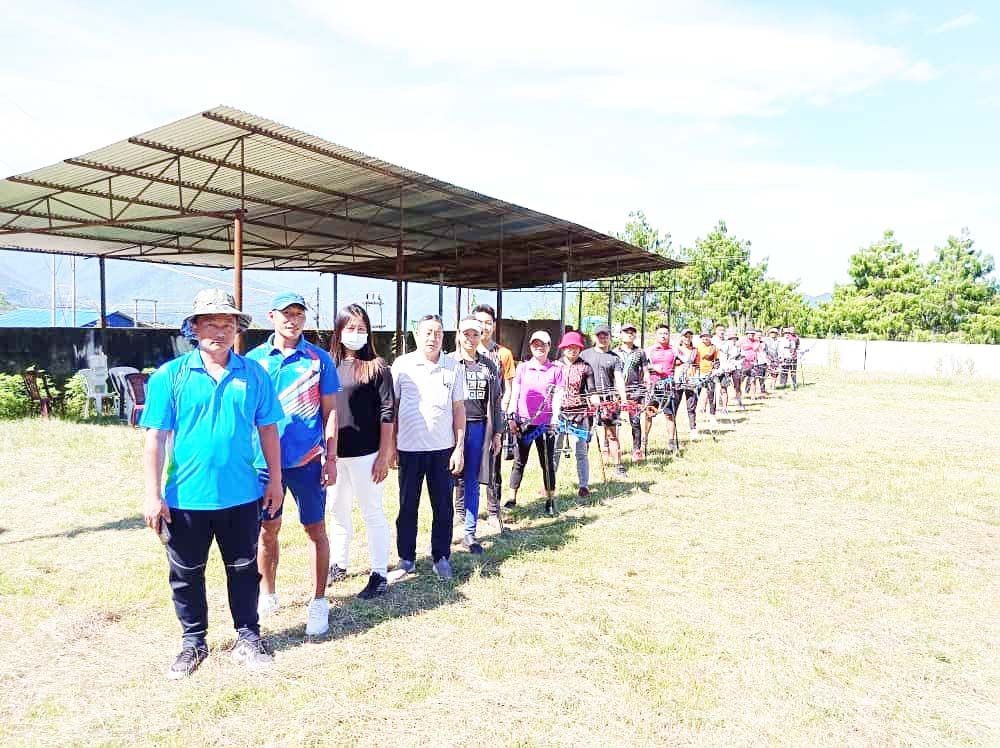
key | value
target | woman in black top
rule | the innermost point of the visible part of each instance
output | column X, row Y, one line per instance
column 365, row 444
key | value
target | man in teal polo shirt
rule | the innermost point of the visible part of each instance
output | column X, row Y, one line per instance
column 202, row 412
column 306, row 381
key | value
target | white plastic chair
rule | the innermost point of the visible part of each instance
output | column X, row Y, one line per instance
column 96, row 387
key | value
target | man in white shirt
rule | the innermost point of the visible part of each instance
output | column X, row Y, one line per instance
column 430, row 440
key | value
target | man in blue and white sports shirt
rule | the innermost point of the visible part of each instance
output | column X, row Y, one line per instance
column 203, row 410
column 306, row 381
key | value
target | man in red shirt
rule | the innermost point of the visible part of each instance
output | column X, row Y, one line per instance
column 662, row 360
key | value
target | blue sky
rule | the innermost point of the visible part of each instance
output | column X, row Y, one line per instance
column 808, row 127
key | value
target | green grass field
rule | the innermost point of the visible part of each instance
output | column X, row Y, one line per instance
column 828, row 573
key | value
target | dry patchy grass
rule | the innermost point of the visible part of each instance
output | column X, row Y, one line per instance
column 826, row 574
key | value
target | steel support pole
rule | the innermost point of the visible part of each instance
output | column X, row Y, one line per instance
column 562, row 306
column 496, row 326
column 400, row 343
column 458, row 305
column 238, row 270
column 579, row 306
column 336, row 303
column 441, row 294
column 104, row 291
column 642, row 324
column 670, row 303
column 611, row 302
column 406, row 310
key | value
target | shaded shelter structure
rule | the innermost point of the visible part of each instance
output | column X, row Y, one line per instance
column 229, row 189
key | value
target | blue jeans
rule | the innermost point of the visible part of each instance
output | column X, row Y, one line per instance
column 413, row 468
column 235, row 530
column 475, row 438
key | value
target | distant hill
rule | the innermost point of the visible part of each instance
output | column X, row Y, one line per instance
column 19, row 291
column 815, row 301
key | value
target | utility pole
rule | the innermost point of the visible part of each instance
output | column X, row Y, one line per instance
column 135, row 302
column 317, row 309
column 72, row 289
column 53, row 260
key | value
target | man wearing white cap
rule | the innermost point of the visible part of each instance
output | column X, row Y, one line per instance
column 484, row 423
column 207, row 405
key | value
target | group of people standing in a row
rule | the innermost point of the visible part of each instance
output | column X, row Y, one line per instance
column 704, row 370
column 237, row 432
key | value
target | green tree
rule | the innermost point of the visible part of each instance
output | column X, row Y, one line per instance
column 4, row 304
column 628, row 296
column 718, row 284
column 959, row 284
column 884, row 295
column 984, row 325
column 721, row 284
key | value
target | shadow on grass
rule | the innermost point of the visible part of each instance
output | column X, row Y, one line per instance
column 600, row 493
column 423, row 591
column 127, row 523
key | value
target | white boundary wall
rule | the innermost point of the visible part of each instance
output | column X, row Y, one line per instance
column 923, row 359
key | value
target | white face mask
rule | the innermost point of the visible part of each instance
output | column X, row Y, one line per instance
column 354, row 341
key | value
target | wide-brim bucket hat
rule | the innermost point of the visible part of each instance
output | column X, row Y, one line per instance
column 217, row 301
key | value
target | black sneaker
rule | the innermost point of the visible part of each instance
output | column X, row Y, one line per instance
column 620, row 471
column 187, row 662
column 470, row 544
column 256, row 654
column 377, row 585
column 336, row 574
column 550, row 508
column 510, row 504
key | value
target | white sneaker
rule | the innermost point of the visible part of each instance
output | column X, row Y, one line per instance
column 267, row 604
column 318, row 617
column 695, row 436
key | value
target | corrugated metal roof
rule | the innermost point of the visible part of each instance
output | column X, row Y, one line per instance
column 169, row 195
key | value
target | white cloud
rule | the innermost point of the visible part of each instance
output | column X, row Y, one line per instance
column 71, row 91
column 958, row 22
column 675, row 58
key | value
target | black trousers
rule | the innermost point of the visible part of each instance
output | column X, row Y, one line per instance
column 545, row 445
column 414, row 467
column 635, row 422
column 692, row 405
column 191, row 532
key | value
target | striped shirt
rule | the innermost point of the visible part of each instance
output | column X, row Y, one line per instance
column 425, row 393
column 301, row 378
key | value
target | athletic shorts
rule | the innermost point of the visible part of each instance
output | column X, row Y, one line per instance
column 305, row 484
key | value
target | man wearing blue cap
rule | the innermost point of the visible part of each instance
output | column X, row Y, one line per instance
column 306, row 381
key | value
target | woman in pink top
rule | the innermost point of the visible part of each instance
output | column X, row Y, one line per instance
column 534, row 410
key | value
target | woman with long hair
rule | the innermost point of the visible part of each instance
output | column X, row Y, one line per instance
column 365, row 446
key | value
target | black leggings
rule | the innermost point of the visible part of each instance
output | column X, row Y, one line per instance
column 635, row 421
column 692, row 404
column 545, row 445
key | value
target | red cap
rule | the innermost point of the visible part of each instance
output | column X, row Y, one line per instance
column 572, row 338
